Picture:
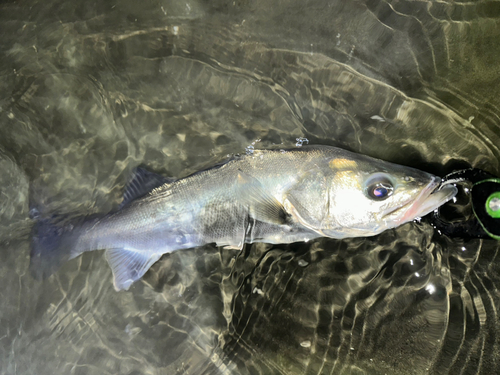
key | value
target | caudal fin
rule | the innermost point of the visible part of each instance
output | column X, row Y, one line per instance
column 53, row 244
column 49, row 248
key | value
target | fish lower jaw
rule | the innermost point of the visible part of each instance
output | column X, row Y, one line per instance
column 429, row 203
column 388, row 216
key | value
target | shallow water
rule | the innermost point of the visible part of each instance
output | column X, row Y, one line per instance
column 90, row 90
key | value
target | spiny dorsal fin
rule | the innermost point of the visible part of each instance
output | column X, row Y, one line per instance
column 142, row 182
column 262, row 205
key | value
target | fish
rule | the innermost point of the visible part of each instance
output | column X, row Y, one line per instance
column 272, row 196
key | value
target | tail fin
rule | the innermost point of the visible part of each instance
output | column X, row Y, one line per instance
column 49, row 248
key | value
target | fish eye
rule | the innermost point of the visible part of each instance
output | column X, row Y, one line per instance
column 379, row 187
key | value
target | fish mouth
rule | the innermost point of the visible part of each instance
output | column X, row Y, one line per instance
column 431, row 197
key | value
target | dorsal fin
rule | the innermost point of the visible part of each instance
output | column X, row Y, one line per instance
column 142, row 182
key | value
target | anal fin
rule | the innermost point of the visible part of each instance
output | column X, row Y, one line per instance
column 129, row 266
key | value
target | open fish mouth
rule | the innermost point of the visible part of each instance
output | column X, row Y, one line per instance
column 431, row 197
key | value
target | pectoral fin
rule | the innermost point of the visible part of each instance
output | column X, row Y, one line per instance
column 307, row 200
column 302, row 215
column 262, row 205
column 129, row 266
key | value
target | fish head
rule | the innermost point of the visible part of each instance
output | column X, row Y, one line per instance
column 367, row 196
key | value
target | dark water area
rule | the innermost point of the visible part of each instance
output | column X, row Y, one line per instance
column 90, row 90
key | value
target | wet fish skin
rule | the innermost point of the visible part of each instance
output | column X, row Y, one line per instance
column 273, row 196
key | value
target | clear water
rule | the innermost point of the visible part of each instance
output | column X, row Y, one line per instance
column 91, row 89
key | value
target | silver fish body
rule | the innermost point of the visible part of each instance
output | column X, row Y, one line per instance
column 273, row 196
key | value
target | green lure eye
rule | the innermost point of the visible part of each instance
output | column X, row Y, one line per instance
column 493, row 205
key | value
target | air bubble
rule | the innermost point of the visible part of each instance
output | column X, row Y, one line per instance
column 300, row 141
column 257, row 291
column 306, row 344
column 251, row 148
column 302, row 263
